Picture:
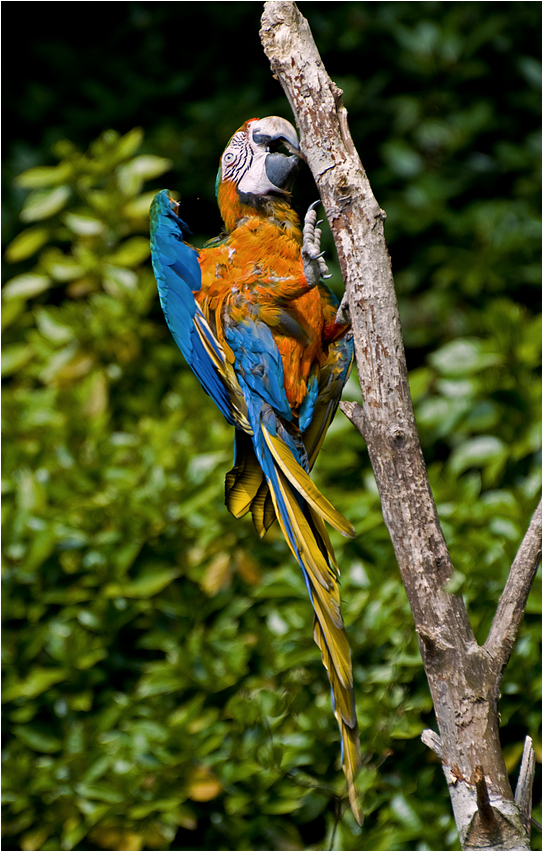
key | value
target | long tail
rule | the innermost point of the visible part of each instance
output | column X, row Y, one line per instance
column 301, row 511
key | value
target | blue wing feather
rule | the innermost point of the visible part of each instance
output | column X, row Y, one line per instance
column 178, row 276
column 259, row 363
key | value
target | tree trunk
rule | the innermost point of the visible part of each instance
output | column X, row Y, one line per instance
column 464, row 678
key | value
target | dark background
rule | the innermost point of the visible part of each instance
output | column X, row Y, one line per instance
column 190, row 74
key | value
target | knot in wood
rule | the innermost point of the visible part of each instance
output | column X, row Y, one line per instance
column 428, row 639
column 398, row 436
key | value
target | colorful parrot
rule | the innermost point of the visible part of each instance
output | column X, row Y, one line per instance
column 258, row 327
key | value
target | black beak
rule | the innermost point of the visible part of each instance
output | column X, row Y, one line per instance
column 282, row 170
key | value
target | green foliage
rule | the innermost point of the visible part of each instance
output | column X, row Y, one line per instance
column 161, row 686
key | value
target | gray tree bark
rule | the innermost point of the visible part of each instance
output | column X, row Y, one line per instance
column 464, row 677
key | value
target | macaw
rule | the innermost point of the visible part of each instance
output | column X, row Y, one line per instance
column 258, row 327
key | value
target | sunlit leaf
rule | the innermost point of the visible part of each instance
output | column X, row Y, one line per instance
column 129, row 143
column 36, row 739
column 218, row 574
column 83, row 225
column 14, row 357
column 477, row 452
column 281, row 806
column 101, row 792
column 404, row 811
column 108, row 837
column 41, row 176
column 143, row 587
column 203, row 785
column 463, row 358
column 131, row 252
column 51, row 328
column 139, row 207
column 132, row 175
column 118, row 280
column 25, row 286
column 35, row 838
column 37, row 681
column 43, row 203
column 25, row 244
column 62, row 267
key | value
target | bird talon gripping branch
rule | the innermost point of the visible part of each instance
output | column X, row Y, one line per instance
column 257, row 326
column 314, row 266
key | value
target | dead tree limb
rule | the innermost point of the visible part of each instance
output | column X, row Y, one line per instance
column 523, row 793
column 464, row 678
column 512, row 604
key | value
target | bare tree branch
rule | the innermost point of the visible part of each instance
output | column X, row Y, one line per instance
column 523, row 793
column 431, row 739
column 463, row 677
column 512, row 604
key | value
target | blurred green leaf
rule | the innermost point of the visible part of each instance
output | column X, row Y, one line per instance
column 405, row 813
column 477, row 452
column 129, row 143
column 463, row 358
column 51, row 328
column 131, row 252
column 25, row 286
column 42, row 176
column 143, row 587
column 84, row 225
column 132, row 175
column 36, row 739
column 26, row 244
column 44, row 203
column 36, row 682
column 101, row 792
column 14, row 357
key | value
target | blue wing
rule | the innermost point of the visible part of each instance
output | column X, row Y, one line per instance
column 332, row 380
column 178, row 276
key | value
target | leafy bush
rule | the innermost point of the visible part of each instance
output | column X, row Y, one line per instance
column 162, row 689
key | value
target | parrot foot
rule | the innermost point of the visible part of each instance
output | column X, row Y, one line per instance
column 314, row 266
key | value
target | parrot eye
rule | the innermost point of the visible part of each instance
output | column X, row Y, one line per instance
column 229, row 158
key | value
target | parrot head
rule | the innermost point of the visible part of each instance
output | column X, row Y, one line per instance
column 253, row 163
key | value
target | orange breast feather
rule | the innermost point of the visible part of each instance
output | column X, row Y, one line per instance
column 258, row 273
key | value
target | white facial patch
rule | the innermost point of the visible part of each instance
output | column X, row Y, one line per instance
column 255, row 180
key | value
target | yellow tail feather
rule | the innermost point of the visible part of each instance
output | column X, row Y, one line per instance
column 345, row 713
column 247, row 488
column 323, row 532
column 329, row 631
column 305, row 541
column 242, row 484
column 305, row 486
column 262, row 509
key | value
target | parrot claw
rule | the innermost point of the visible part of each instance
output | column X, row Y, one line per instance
column 314, row 266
